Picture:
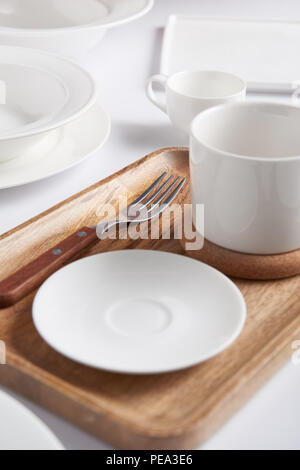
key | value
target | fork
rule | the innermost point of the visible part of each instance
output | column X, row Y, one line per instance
column 150, row 204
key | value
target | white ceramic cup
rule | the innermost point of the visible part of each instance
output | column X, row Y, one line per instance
column 245, row 169
column 190, row 92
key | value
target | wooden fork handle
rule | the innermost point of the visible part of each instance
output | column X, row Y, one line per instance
column 23, row 282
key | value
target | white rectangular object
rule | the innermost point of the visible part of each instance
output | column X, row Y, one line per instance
column 265, row 53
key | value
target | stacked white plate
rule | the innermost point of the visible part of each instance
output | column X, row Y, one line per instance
column 49, row 118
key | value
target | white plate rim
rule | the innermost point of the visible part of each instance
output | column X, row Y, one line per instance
column 157, row 370
column 75, row 163
column 46, row 31
column 47, row 127
column 22, row 409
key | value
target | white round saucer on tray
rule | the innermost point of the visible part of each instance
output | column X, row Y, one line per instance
column 20, row 429
column 59, row 150
column 139, row 312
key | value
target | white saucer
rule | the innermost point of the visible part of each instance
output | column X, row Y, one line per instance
column 22, row 430
column 139, row 312
column 59, row 150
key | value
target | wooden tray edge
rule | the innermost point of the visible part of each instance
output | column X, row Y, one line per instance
column 91, row 188
column 124, row 436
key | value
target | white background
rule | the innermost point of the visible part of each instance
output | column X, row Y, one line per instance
column 121, row 64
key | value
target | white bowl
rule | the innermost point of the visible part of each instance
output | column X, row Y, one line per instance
column 59, row 150
column 69, row 27
column 28, row 102
column 39, row 92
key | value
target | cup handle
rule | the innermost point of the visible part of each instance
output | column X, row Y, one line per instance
column 162, row 80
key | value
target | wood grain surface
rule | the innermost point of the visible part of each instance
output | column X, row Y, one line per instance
column 178, row 410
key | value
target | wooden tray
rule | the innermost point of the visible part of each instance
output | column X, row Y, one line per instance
column 170, row 411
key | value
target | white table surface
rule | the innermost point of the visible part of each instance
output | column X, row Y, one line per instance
column 122, row 63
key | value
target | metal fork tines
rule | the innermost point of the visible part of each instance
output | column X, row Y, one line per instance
column 151, row 203
column 157, row 202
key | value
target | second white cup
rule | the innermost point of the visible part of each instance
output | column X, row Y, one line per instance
column 190, row 92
